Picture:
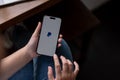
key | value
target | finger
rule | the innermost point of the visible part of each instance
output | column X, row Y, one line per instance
column 37, row 30
column 50, row 73
column 65, row 67
column 70, row 66
column 59, row 45
column 60, row 36
column 57, row 66
column 60, row 40
column 76, row 68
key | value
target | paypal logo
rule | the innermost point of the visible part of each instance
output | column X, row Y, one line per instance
column 49, row 34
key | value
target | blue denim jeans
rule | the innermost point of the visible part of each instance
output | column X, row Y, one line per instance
column 37, row 68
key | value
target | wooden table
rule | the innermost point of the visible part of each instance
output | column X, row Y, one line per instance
column 12, row 14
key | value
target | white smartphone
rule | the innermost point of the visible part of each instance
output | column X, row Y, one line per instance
column 49, row 35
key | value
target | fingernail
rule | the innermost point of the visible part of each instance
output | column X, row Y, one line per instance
column 48, row 67
column 75, row 62
column 39, row 23
column 55, row 55
column 61, row 35
column 62, row 56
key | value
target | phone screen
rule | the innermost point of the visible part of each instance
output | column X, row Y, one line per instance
column 49, row 35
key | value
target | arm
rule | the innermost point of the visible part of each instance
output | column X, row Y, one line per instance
column 11, row 64
column 14, row 62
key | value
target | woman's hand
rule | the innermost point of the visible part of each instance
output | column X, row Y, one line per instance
column 66, row 72
column 32, row 44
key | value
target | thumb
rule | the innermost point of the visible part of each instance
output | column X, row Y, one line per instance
column 50, row 73
column 37, row 30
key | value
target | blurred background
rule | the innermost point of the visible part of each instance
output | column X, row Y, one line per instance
column 101, row 45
